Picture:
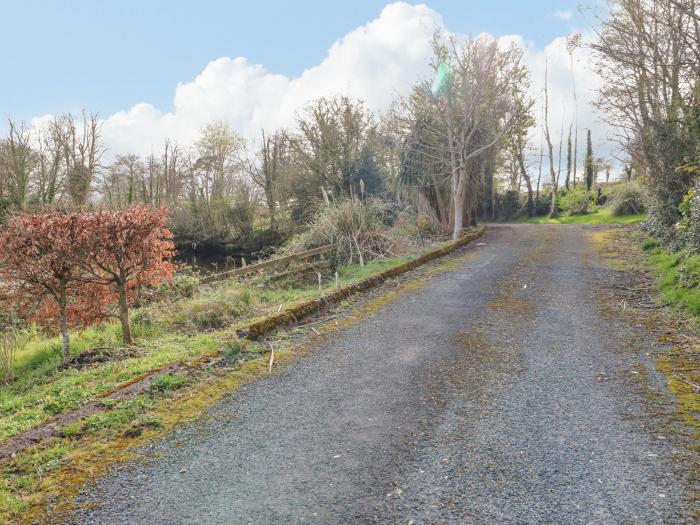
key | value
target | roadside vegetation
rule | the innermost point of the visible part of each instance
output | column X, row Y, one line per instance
column 596, row 217
column 678, row 274
column 612, row 203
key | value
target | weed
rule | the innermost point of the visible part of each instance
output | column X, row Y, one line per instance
column 648, row 244
column 182, row 287
column 209, row 319
column 231, row 351
column 168, row 381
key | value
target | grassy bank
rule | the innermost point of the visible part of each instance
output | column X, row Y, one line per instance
column 678, row 275
column 602, row 216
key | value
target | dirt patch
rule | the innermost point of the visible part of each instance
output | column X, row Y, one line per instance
column 102, row 355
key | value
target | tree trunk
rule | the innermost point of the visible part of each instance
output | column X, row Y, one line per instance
column 528, row 183
column 553, row 212
column 273, row 219
column 459, row 219
column 63, row 313
column 124, row 314
column 459, row 186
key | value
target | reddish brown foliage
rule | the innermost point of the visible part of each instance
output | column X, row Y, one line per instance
column 85, row 262
column 126, row 251
column 38, row 259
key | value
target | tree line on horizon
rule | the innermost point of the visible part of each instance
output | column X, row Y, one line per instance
column 451, row 154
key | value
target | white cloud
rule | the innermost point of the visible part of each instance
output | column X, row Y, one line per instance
column 563, row 14
column 375, row 62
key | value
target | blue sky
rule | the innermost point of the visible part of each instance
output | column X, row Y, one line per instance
column 109, row 55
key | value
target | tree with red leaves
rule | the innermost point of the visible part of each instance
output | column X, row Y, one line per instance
column 84, row 262
column 125, row 251
column 38, row 261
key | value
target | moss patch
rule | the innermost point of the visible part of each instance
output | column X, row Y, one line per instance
column 622, row 249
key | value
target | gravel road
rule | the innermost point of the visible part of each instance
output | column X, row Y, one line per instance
column 499, row 392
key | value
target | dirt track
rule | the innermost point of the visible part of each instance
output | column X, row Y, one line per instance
column 500, row 392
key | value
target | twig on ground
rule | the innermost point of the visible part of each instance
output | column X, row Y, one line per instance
column 272, row 357
column 320, row 321
column 689, row 383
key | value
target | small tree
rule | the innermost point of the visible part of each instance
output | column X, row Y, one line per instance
column 125, row 251
column 589, row 162
column 38, row 260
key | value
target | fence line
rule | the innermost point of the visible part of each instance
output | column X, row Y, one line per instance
column 270, row 263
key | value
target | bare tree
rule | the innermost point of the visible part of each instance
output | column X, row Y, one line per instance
column 649, row 60
column 81, row 153
column 17, row 161
column 553, row 211
column 572, row 43
column 266, row 168
column 49, row 179
column 219, row 153
column 477, row 109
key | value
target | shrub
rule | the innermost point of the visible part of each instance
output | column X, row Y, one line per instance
column 577, row 201
column 231, row 351
column 543, row 202
column 627, row 199
column 183, row 286
column 688, row 227
column 213, row 310
column 358, row 227
column 657, row 224
column 507, row 204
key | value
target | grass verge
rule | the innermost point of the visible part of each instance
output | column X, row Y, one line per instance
column 674, row 278
column 602, row 216
column 677, row 279
column 167, row 332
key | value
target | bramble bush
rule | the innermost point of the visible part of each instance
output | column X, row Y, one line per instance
column 576, row 201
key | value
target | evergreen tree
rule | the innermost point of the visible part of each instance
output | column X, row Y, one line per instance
column 568, row 160
column 589, row 162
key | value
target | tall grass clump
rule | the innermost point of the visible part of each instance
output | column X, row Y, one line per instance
column 11, row 341
column 363, row 229
column 627, row 199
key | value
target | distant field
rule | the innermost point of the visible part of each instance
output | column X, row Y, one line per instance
column 598, row 217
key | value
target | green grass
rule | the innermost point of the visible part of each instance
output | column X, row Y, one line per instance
column 169, row 382
column 678, row 275
column 602, row 216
